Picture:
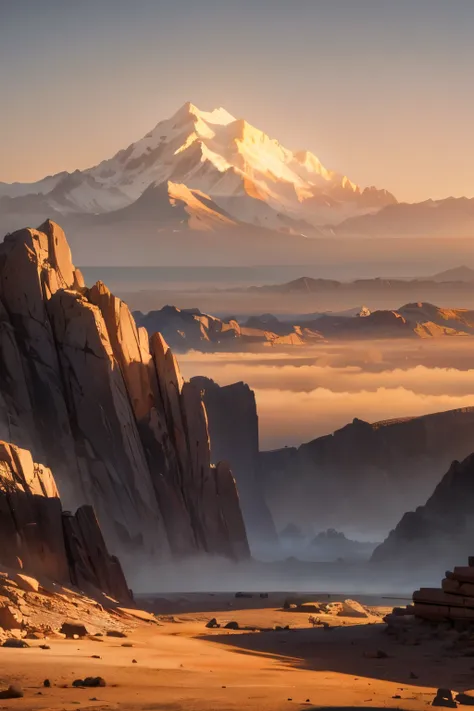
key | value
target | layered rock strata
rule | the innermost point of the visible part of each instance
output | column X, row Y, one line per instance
column 106, row 408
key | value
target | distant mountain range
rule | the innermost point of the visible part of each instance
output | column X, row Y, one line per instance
column 204, row 171
column 312, row 285
column 186, row 329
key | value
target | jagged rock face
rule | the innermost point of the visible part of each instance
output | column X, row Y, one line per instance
column 365, row 475
column 441, row 530
column 36, row 534
column 86, row 392
column 233, row 426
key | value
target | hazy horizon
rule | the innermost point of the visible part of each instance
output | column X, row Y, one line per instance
column 338, row 78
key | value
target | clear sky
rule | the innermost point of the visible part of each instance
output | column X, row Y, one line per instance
column 380, row 90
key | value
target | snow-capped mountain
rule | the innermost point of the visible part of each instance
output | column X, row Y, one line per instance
column 216, row 169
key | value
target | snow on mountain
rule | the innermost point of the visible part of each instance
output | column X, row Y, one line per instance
column 249, row 175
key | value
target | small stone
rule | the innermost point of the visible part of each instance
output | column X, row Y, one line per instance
column 212, row 624
column 134, row 661
column 90, row 681
column 127, row 644
column 16, row 643
column 233, row 625
column 73, row 630
column 96, row 656
column 47, row 683
column 44, row 646
column 413, row 675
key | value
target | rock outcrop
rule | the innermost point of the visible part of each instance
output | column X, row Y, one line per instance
column 366, row 475
column 433, row 534
column 233, row 427
column 105, row 407
column 39, row 537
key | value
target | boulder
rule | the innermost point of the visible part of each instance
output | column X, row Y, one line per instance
column 352, row 608
column 73, row 630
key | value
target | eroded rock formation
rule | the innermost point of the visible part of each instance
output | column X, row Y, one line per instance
column 233, row 427
column 366, row 475
column 38, row 536
column 106, row 408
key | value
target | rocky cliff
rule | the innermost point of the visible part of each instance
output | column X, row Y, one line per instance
column 38, row 536
column 443, row 528
column 364, row 475
column 233, row 427
column 106, row 408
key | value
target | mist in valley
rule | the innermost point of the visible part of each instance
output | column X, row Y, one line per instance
column 305, row 393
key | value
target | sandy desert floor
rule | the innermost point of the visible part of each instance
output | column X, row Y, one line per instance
column 179, row 665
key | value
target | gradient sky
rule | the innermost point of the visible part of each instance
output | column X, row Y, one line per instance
column 380, row 90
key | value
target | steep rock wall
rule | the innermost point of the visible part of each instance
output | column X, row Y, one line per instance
column 87, row 392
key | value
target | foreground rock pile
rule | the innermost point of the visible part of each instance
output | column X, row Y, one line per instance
column 454, row 600
column 449, row 607
column 105, row 408
column 34, row 609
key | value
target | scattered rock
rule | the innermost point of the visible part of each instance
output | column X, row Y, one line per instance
column 126, row 644
column 212, row 624
column 13, row 692
column 17, row 643
column 44, row 646
column 47, row 683
column 352, row 608
column 444, row 697
column 232, row 625
column 115, row 633
column 96, row 656
column 73, row 630
column 90, row 681
column 134, row 661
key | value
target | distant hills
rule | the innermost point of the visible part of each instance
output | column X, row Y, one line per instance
column 186, row 329
column 313, row 285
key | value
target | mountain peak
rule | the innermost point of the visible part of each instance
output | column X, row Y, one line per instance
column 218, row 116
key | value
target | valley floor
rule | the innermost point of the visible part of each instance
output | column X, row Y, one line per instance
column 182, row 666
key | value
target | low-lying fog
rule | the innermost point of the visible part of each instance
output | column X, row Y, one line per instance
column 307, row 392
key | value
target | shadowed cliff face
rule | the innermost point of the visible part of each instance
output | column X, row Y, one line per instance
column 439, row 532
column 364, row 476
column 107, row 409
column 233, row 426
